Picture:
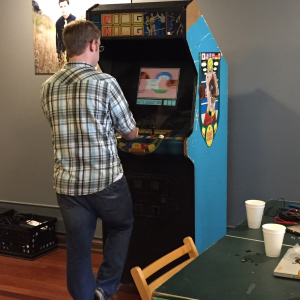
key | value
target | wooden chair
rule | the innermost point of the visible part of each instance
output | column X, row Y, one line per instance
column 139, row 276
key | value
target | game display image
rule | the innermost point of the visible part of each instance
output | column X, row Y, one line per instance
column 175, row 80
column 158, row 84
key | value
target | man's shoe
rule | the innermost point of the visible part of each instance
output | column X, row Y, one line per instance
column 98, row 295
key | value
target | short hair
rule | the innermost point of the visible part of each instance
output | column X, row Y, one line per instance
column 59, row 1
column 78, row 34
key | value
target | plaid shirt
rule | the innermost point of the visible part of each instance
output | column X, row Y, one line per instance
column 84, row 109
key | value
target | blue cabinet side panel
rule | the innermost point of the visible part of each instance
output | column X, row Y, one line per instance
column 210, row 162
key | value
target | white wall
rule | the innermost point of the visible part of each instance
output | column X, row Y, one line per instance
column 260, row 41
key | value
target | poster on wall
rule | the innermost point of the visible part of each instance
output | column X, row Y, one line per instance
column 209, row 92
column 49, row 19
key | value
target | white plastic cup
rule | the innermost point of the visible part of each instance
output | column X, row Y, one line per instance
column 255, row 210
column 273, row 238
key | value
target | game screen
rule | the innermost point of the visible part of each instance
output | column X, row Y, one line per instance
column 158, row 86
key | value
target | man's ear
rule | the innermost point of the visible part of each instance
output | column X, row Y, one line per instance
column 92, row 44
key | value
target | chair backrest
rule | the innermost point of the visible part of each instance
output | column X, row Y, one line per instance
column 140, row 276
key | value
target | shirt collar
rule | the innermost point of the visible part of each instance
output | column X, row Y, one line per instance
column 77, row 64
column 69, row 18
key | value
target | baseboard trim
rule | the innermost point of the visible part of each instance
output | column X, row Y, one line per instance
column 97, row 244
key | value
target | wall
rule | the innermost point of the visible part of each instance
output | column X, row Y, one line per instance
column 260, row 41
column 26, row 154
column 26, row 164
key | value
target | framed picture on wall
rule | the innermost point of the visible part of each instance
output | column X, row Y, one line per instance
column 49, row 19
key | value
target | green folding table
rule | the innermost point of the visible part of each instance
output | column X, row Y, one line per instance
column 234, row 268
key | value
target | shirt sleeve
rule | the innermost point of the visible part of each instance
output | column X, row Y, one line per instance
column 57, row 37
column 121, row 115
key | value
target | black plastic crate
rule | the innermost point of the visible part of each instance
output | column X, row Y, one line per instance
column 24, row 239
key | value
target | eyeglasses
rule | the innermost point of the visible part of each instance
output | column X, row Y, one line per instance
column 101, row 48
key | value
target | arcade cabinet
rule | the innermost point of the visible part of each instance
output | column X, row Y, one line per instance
column 174, row 78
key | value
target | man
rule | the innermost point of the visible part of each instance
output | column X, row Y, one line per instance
column 147, row 22
column 162, row 28
column 66, row 18
column 152, row 24
column 85, row 108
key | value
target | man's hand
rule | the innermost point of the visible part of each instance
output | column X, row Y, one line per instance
column 131, row 135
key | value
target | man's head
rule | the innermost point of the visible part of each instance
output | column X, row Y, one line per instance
column 210, row 64
column 64, row 7
column 81, row 37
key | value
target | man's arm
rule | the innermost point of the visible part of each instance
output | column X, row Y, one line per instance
column 57, row 38
column 131, row 135
column 123, row 121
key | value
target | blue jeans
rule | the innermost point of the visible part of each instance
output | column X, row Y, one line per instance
column 114, row 206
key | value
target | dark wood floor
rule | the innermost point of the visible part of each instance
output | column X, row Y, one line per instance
column 45, row 278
